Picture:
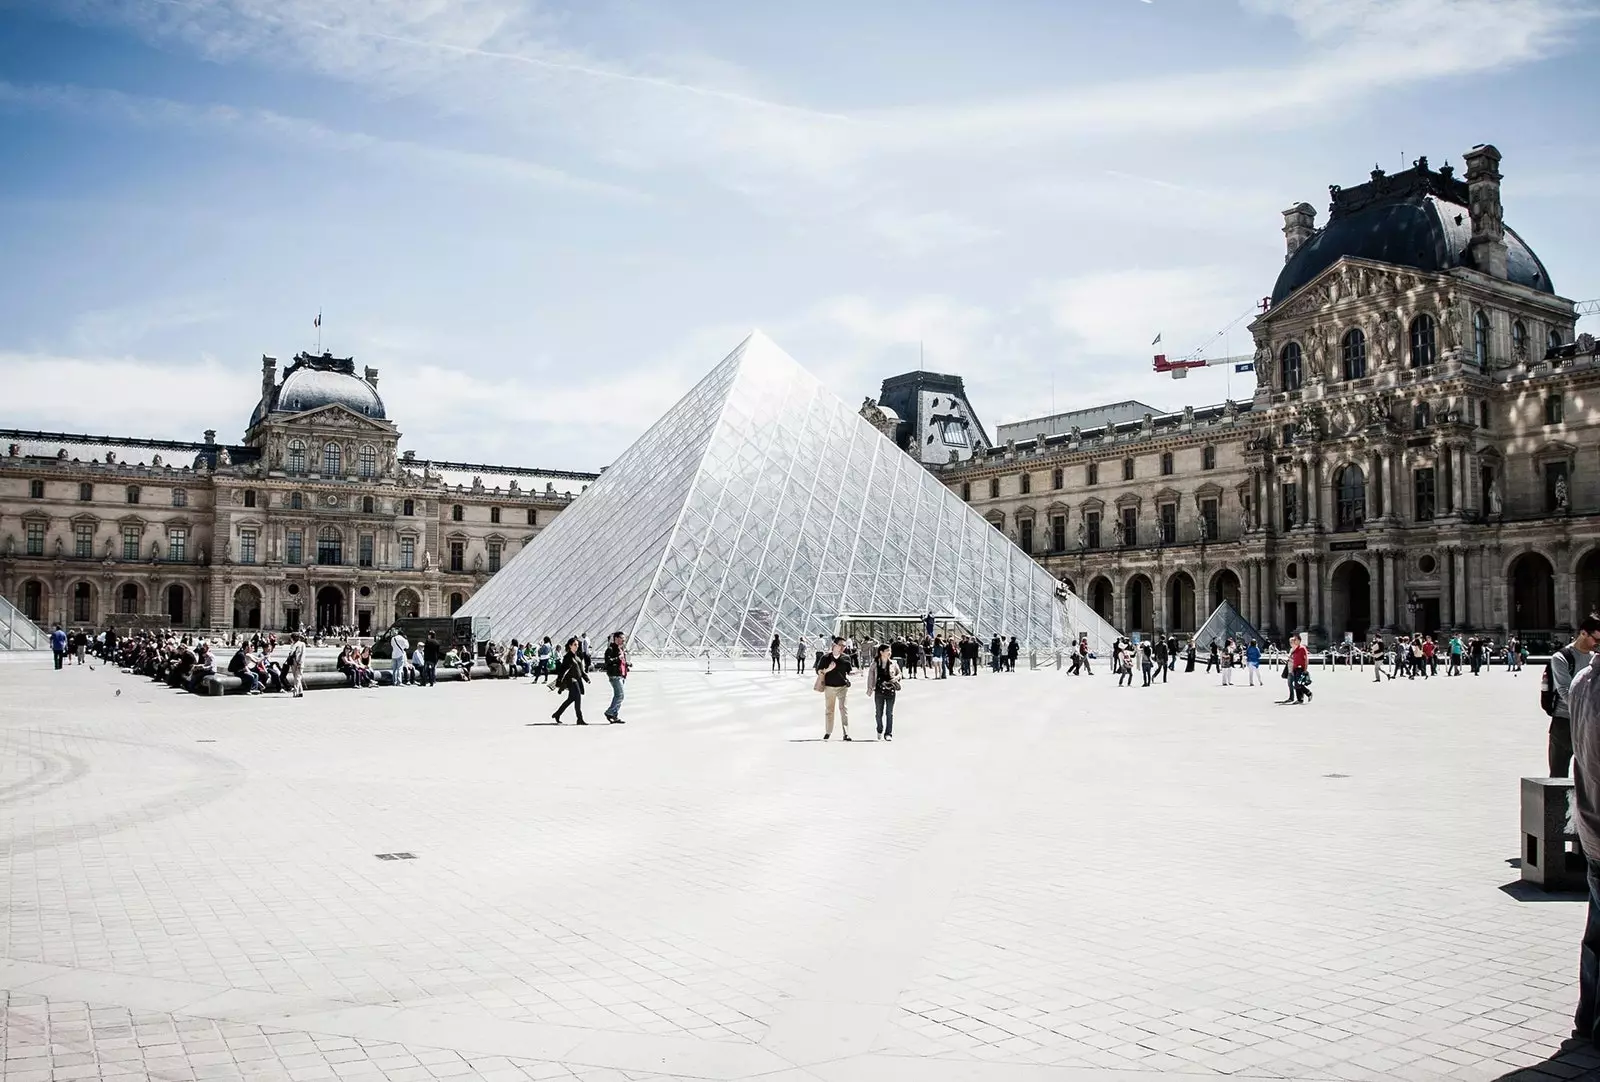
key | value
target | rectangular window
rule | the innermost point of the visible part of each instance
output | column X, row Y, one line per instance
column 1554, row 411
column 408, row 553
column 297, row 458
column 1025, row 535
column 83, row 541
column 35, row 539
column 180, row 498
column 292, row 550
column 178, row 542
column 994, row 488
column 1208, row 517
column 1289, row 505
column 1130, row 526
column 1091, row 474
column 1422, row 494
column 247, row 546
column 533, row 516
column 130, row 542
column 133, row 493
column 35, row 490
column 249, row 497
column 1127, row 469
column 1208, row 458
column 1026, row 482
column 1166, row 463
column 1057, row 478
column 1555, row 487
column 364, row 550
column 458, row 556
column 1092, row 529
column 966, row 491
column 494, row 556
column 494, row 514
column 330, row 547
column 1058, row 533
column 86, row 491
column 1169, row 524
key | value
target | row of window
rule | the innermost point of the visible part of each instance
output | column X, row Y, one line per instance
column 132, row 493
column 1091, row 474
column 1127, row 534
column 1423, row 340
column 83, row 541
column 333, row 459
column 180, row 498
column 330, row 550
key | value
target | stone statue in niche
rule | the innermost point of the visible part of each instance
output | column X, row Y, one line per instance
column 1263, row 365
column 110, row 548
column 1561, row 493
column 1377, row 412
column 155, row 550
column 1454, row 318
column 1083, row 537
column 1389, row 338
column 1494, row 496
column 60, row 551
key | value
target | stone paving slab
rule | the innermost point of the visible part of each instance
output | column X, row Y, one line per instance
column 1041, row 878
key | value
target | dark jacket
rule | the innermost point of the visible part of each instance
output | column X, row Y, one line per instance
column 430, row 652
column 617, row 660
column 839, row 675
column 573, row 671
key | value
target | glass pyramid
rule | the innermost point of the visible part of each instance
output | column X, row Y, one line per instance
column 1225, row 623
column 762, row 504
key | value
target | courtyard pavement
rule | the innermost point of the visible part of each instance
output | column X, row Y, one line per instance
column 1042, row 877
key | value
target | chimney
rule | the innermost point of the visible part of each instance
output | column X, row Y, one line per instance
column 1299, row 224
column 1488, row 246
column 372, row 377
column 211, row 437
column 269, row 375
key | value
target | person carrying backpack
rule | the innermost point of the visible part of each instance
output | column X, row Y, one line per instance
column 1554, row 686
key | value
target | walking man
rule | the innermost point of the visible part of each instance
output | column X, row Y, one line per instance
column 399, row 648
column 1564, row 665
column 1252, row 662
column 834, row 671
column 617, row 672
column 1583, row 697
column 58, row 644
column 1161, row 658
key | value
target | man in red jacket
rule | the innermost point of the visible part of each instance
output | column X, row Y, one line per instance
column 1299, row 670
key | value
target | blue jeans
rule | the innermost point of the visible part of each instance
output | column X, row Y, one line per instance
column 883, row 709
column 616, row 695
column 1586, row 1022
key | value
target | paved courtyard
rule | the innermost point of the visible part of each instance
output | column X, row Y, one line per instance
column 1041, row 878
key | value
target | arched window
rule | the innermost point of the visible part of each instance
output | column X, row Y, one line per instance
column 368, row 460
column 456, row 601
column 128, row 599
column 1422, row 342
column 296, row 501
column 1480, row 338
column 331, row 460
column 1553, row 339
column 1519, row 338
column 1351, row 487
column 1353, row 349
column 1422, row 416
column 82, row 600
column 455, row 513
column 33, row 600
column 1289, row 366
column 297, row 456
column 330, row 546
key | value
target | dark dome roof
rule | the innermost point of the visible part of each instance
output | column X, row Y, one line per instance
column 313, row 382
column 1417, row 219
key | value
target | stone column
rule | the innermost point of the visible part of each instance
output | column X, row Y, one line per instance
column 1269, row 591
column 1305, row 592
column 1321, row 513
column 1566, row 601
column 1303, row 512
column 1397, row 468
column 1468, row 468
column 1319, row 588
column 1391, row 587
column 1458, row 497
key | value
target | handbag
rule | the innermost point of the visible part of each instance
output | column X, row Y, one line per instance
column 819, row 685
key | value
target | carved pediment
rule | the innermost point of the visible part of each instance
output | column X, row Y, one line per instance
column 1347, row 279
column 335, row 416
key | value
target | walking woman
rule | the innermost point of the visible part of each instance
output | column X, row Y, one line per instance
column 777, row 651
column 883, row 683
column 571, row 675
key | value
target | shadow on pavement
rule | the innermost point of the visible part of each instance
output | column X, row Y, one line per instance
column 1528, row 892
column 1577, row 1061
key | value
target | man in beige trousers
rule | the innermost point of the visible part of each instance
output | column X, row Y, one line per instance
column 835, row 673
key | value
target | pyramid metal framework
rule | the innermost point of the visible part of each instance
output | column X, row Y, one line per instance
column 1225, row 623
column 19, row 633
column 761, row 504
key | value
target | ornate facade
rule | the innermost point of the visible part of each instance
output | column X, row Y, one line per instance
column 315, row 519
column 1420, row 454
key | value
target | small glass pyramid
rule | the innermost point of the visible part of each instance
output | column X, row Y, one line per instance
column 761, row 504
column 1225, row 623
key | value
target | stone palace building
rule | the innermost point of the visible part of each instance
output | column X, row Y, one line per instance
column 1421, row 452
column 315, row 519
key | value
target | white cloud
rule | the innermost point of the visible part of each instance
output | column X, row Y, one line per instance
column 128, row 396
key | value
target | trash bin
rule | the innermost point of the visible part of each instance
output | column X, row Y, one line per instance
column 1551, row 857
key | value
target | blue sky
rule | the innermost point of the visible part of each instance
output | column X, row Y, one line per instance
column 544, row 221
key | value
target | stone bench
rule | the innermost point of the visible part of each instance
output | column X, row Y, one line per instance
column 323, row 679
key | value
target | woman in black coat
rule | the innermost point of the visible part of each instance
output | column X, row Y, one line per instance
column 571, row 675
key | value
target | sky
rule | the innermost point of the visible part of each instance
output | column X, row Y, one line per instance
column 543, row 222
